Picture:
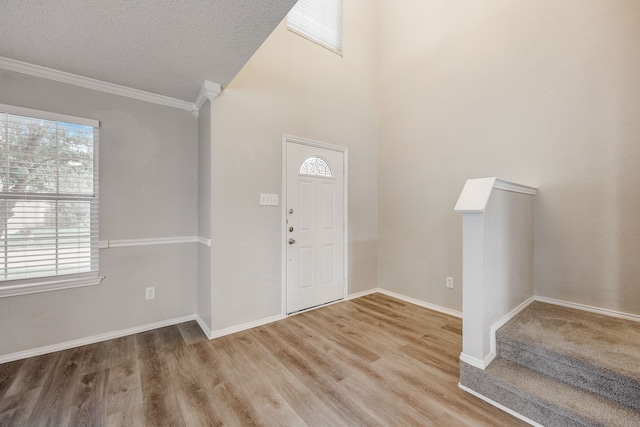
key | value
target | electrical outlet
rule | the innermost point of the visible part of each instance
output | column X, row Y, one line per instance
column 450, row 282
column 150, row 293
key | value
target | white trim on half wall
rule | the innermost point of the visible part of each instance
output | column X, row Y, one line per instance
column 104, row 244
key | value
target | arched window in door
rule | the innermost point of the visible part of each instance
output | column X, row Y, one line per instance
column 316, row 166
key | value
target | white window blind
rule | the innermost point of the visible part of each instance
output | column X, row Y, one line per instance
column 319, row 21
column 48, row 197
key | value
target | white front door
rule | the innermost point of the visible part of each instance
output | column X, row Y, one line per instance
column 314, row 226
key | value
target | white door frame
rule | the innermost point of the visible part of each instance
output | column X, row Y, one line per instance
column 297, row 140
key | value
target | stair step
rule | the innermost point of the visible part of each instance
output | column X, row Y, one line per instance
column 544, row 399
column 597, row 353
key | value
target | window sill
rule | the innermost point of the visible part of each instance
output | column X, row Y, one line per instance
column 25, row 287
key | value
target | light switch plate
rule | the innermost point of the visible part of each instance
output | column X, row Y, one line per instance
column 268, row 199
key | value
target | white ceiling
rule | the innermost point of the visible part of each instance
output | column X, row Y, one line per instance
column 167, row 47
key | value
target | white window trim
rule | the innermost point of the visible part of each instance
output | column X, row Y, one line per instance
column 319, row 43
column 9, row 288
column 12, row 288
column 310, row 35
column 28, row 112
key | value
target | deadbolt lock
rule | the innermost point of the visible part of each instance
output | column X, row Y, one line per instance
column 290, row 211
column 290, row 229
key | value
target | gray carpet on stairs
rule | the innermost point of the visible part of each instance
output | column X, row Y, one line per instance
column 563, row 367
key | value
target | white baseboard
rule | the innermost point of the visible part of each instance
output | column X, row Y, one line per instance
column 583, row 307
column 211, row 334
column 93, row 339
column 217, row 333
column 203, row 325
column 260, row 322
column 500, row 323
column 420, row 303
column 499, row 406
column 482, row 364
column 363, row 294
column 477, row 363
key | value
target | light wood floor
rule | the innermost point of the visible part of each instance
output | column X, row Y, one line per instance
column 373, row 361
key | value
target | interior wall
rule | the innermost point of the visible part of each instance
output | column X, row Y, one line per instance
column 290, row 86
column 540, row 92
column 508, row 253
column 148, row 189
column 204, row 213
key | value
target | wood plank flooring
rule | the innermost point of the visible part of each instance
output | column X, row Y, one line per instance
column 372, row 361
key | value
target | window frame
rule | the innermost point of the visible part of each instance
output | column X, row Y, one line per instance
column 308, row 34
column 24, row 286
column 314, row 174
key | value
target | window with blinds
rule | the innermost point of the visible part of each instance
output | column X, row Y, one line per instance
column 48, row 197
column 319, row 21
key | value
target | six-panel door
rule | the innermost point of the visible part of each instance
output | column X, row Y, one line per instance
column 315, row 226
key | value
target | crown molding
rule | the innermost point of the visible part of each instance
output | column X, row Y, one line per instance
column 208, row 92
column 89, row 83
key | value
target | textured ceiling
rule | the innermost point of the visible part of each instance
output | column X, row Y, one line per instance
column 167, row 47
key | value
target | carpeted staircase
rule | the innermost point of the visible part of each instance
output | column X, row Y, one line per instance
column 563, row 367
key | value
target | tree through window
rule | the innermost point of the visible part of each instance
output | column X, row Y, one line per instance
column 48, row 197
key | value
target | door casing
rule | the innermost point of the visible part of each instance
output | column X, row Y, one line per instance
column 286, row 139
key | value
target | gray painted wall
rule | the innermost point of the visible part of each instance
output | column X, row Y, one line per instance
column 508, row 253
column 290, row 86
column 204, row 213
column 540, row 92
column 148, row 189
column 544, row 93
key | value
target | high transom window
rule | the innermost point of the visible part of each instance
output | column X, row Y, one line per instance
column 319, row 21
column 48, row 197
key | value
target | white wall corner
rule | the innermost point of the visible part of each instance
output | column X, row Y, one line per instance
column 208, row 92
column 204, row 326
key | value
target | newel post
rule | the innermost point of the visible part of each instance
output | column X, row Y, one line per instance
column 497, row 274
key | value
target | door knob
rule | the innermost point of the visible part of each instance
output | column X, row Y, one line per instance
column 291, row 241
